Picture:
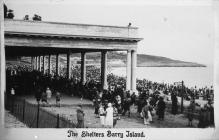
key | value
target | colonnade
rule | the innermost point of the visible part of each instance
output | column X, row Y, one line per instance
column 130, row 68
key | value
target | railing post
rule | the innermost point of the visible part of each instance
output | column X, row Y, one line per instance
column 38, row 111
column 23, row 110
column 57, row 124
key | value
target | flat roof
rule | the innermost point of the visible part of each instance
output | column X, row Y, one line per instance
column 70, row 29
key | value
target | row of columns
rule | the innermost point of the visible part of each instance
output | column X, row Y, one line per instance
column 130, row 70
column 39, row 61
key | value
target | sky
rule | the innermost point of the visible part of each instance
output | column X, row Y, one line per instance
column 182, row 30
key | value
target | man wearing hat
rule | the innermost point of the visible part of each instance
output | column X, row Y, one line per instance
column 191, row 110
column 80, row 117
column 161, row 108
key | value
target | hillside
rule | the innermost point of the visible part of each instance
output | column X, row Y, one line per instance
column 118, row 59
column 158, row 61
column 144, row 60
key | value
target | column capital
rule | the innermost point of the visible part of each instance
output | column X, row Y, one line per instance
column 83, row 53
column 104, row 51
column 134, row 51
column 129, row 51
column 69, row 52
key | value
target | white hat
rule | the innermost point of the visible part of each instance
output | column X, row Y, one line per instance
column 109, row 105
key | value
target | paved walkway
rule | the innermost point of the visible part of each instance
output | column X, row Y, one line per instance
column 171, row 121
column 65, row 100
column 12, row 122
column 69, row 106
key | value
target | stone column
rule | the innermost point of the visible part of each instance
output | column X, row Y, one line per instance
column 133, row 73
column 104, row 70
column 68, row 65
column 44, row 69
column 36, row 62
column 2, row 66
column 57, row 64
column 40, row 63
column 83, row 68
column 32, row 62
column 49, row 64
column 128, row 70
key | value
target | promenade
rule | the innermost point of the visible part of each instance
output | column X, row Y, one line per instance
column 12, row 122
column 69, row 106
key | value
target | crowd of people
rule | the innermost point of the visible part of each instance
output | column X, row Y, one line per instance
column 150, row 97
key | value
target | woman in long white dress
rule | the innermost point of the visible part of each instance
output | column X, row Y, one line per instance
column 102, row 115
column 109, row 116
column 49, row 95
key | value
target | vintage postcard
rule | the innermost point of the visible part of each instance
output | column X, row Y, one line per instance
column 109, row 69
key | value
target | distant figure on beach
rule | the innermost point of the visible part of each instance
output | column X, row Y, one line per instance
column 80, row 117
column 37, row 17
column 191, row 110
column 10, row 14
column 26, row 17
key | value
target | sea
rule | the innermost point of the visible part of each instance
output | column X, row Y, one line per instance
column 192, row 76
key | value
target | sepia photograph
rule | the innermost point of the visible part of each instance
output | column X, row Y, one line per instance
column 109, row 65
